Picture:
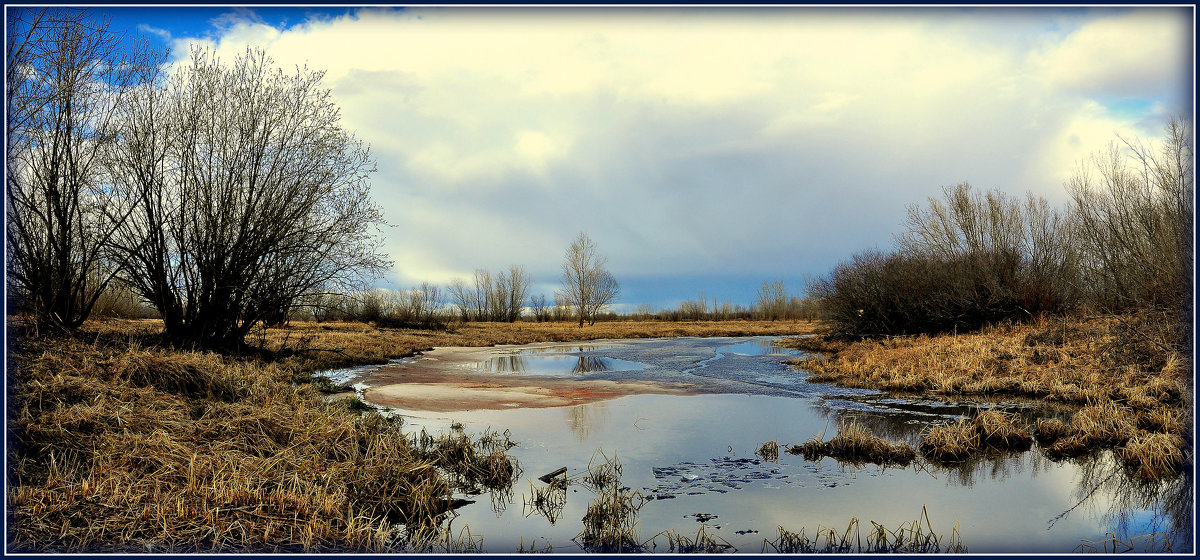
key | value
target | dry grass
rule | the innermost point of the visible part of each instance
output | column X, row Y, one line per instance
column 117, row 445
column 768, row 451
column 610, row 524
column 989, row 431
column 1125, row 373
column 917, row 537
column 548, row 501
column 855, row 444
column 702, row 543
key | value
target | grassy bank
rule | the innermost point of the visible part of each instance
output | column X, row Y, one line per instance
column 118, row 444
column 1127, row 374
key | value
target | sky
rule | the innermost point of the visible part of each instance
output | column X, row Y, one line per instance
column 702, row 149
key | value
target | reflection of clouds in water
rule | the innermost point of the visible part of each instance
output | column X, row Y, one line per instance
column 585, row 419
column 1134, row 507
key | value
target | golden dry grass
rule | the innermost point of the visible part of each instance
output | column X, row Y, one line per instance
column 990, row 430
column 856, row 444
column 1124, row 372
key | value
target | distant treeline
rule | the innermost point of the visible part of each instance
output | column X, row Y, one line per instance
column 1123, row 243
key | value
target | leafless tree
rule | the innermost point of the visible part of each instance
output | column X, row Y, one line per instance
column 66, row 73
column 517, row 283
column 965, row 222
column 249, row 195
column 537, row 304
column 1134, row 212
column 772, row 300
column 587, row 285
column 460, row 296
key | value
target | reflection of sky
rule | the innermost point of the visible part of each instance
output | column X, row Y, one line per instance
column 1007, row 507
column 1017, row 503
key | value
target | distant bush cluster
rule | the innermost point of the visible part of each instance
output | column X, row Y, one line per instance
column 972, row 258
column 418, row 308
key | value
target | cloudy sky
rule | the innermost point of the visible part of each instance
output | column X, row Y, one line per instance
column 703, row 149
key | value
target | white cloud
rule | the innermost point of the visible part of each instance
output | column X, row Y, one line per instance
column 764, row 142
column 1139, row 53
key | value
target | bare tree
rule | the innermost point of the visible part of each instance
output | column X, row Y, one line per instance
column 1134, row 213
column 249, row 196
column 537, row 304
column 772, row 300
column 462, row 297
column 517, row 283
column 587, row 284
column 66, row 73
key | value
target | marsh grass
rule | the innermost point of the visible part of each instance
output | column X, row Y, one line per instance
column 768, row 451
column 701, row 543
column 915, row 537
column 549, row 500
column 1129, row 376
column 119, row 445
column 603, row 474
column 989, row 431
column 610, row 524
column 855, row 444
column 474, row 463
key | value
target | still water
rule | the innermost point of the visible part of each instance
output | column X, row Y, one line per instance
column 694, row 455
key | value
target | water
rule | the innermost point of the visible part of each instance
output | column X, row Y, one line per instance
column 695, row 456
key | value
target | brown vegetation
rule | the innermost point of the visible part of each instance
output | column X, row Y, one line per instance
column 915, row 537
column 990, row 430
column 855, row 444
column 1127, row 373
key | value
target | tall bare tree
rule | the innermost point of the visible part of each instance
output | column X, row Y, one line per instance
column 67, row 73
column 250, row 195
column 1134, row 206
column 587, row 284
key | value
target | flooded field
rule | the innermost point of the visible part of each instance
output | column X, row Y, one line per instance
column 692, row 456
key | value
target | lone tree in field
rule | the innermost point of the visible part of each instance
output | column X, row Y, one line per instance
column 250, row 196
column 66, row 74
column 587, row 285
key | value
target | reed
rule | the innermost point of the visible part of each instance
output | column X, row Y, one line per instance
column 701, row 543
column 916, row 537
column 1153, row 456
column 1128, row 374
column 549, row 501
column 610, row 524
column 604, row 474
column 768, row 451
column 990, row 430
column 856, row 444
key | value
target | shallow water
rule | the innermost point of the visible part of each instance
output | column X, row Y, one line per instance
column 695, row 456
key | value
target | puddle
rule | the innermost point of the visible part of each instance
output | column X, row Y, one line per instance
column 694, row 457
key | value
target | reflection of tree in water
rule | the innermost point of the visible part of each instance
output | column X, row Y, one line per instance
column 588, row 364
column 1106, row 489
column 507, row 364
column 583, row 419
